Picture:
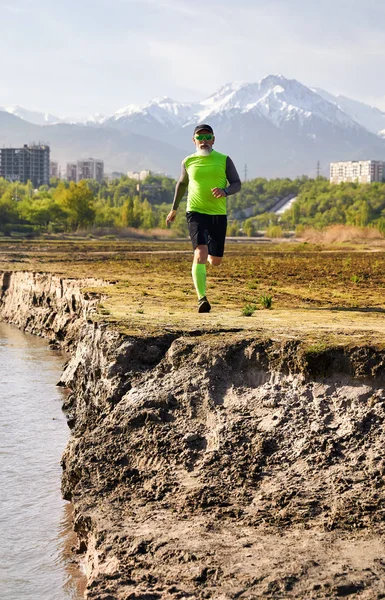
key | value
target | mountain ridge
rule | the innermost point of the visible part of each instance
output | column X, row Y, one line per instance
column 277, row 126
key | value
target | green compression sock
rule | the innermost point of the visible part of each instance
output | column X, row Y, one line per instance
column 199, row 277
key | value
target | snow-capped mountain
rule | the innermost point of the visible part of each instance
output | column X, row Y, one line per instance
column 68, row 142
column 32, row 116
column 39, row 118
column 278, row 126
column 370, row 117
column 156, row 118
column 164, row 110
column 235, row 96
column 96, row 119
column 276, row 98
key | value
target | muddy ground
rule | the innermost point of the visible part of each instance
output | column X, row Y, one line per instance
column 218, row 456
column 228, row 470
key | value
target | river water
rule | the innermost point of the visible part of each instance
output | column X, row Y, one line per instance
column 35, row 538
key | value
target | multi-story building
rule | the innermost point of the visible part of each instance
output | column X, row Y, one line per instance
column 53, row 169
column 71, row 172
column 138, row 175
column 30, row 163
column 90, row 169
column 114, row 175
column 359, row 171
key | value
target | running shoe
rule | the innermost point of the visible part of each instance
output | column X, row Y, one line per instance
column 204, row 305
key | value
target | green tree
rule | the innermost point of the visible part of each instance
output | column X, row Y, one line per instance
column 8, row 213
column 41, row 212
column 77, row 202
column 137, row 212
column 127, row 213
column 365, row 214
column 249, row 228
column 296, row 213
column 148, row 219
column 233, row 229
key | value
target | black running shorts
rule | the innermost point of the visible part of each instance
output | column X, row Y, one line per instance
column 208, row 230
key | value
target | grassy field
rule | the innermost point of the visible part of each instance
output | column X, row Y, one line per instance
column 326, row 294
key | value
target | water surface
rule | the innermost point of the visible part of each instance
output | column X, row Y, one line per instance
column 35, row 561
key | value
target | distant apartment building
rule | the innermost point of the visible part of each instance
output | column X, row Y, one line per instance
column 85, row 169
column 54, row 169
column 138, row 175
column 71, row 172
column 29, row 163
column 359, row 171
column 115, row 175
column 90, row 169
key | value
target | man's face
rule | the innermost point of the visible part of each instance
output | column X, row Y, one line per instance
column 204, row 141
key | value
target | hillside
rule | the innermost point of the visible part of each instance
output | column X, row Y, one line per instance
column 278, row 127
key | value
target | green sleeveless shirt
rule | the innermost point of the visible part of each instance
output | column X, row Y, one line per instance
column 204, row 174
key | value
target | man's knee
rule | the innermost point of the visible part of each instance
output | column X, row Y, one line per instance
column 200, row 254
column 215, row 261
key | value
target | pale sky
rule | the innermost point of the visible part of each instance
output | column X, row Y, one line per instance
column 84, row 57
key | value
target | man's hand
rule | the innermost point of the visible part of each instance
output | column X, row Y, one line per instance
column 170, row 217
column 218, row 192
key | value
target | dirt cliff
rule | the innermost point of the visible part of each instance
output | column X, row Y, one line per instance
column 215, row 466
column 48, row 305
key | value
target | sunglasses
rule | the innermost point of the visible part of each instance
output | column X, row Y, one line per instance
column 204, row 136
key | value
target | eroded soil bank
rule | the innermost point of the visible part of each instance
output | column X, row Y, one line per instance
column 219, row 465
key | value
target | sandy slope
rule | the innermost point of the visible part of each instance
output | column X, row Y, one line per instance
column 219, row 476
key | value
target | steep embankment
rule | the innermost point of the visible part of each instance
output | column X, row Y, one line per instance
column 216, row 466
column 47, row 305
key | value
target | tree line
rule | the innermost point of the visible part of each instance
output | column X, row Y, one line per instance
column 67, row 206
column 320, row 204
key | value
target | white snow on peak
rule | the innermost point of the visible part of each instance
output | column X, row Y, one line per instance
column 229, row 99
column 128, row 110
column 96, row 118
column 370, row 117
column 225, row 93
column 164, row 110
column 32, row 116
column 276, row 98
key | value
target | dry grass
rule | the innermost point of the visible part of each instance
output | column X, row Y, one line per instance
column 341, row 234
column 117, row 233
column 338, row 295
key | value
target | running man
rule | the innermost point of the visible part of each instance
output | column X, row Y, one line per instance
column 210, row 177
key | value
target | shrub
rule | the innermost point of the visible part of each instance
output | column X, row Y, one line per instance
column 380, row 224
column 274, row 231
column 355, row 278
column 248, row 310
column 233, row 229
column 266, row 301
column 249, row 228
